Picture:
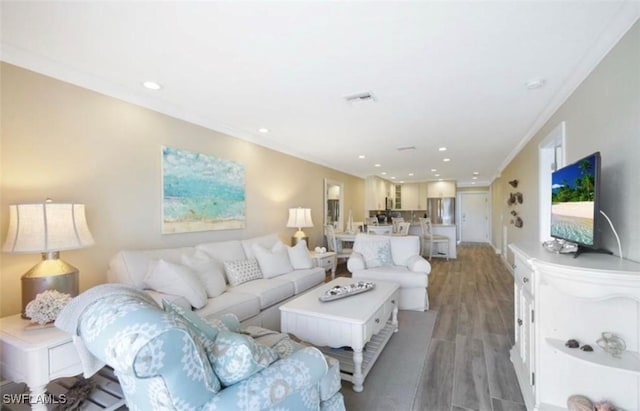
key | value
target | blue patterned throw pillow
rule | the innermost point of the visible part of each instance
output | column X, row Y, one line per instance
column 235, row 357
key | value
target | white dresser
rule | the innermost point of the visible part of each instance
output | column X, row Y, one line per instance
column 557, row 298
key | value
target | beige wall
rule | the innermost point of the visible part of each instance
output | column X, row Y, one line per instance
column 72, row 144
column 603, row 114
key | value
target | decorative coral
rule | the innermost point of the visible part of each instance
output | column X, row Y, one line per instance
column 46, row 306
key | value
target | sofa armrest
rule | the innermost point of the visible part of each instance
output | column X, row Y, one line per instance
column 172, row 298
column 355, row 262
column 300, row 370
column 418, row 264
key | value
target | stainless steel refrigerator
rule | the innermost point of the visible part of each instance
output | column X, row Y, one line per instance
column 442, row 210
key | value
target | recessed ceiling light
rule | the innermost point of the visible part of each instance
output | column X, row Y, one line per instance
column 401, row 181
column 442, row 149
column 446, row 160
column 377, row 165
column 384, row 173
column 473, row 182
column 475, row 173
column 393, row 178
column 474, row 178
column 361, row 156
column 535, row 83
column 263, row 130
column 151, row 85
column 437, row 175
column 433, row 170
column 410, row 174
column 439, row 179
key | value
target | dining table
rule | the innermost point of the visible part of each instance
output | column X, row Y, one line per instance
column 345, row 239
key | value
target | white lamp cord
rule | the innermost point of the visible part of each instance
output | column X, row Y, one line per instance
column 614, row 232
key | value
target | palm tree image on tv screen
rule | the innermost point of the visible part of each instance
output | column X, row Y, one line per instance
column 573, row 191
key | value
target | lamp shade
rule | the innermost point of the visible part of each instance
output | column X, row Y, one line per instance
column 299, row 218
column 46, row 227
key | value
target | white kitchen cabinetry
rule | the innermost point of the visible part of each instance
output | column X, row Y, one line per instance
column 422, row 196
column 410, row 197
column 376, row 190
column 575, row 298
column 440, row 189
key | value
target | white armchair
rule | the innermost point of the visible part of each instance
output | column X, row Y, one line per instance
column 394, row 259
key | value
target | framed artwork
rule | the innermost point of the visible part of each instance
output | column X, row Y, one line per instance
column 201, row 192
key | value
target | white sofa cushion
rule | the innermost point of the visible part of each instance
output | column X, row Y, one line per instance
column 176, row 279
column 268, row 291
column 131, row 266
column 241, row 304
column 267, row 241
column 241, row 271
column 210, row 270
column 304, row 279
column 273, row 262
column 299, row 256
column 404, row 247
column 223, row 250
column 393, row 273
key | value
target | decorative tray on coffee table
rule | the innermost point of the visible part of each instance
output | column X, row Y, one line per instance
column 341, row 291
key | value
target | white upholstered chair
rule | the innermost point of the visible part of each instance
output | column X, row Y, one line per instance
column 380, row 229
column 429, row 239
column 332, row 244
column 393, row 259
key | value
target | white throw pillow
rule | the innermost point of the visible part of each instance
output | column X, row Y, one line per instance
column 210, row 270
column 376, row 251
column 170, row 278
column 273, row 262
column 241, row 271
column 299, row 256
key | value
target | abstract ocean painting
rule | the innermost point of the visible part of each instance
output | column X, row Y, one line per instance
column 201, row 192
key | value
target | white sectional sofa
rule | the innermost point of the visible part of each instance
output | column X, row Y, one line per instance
column 255, row 302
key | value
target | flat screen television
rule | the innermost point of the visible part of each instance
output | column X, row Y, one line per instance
column 575, row 192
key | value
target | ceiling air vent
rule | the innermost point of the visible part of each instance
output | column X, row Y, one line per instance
column 406, row 148
column 364, row 97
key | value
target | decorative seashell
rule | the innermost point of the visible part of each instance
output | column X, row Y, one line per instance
column 605, row 406
column 586, row 348
column 579, row 403
column 572, row 343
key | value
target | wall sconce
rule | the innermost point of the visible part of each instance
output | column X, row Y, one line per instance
column 47, row 228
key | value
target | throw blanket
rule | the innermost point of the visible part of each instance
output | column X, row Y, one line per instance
column 70, row 316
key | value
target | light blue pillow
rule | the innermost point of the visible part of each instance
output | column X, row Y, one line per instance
column 201, row 327
column 235, row 357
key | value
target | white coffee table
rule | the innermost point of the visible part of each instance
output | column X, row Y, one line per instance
column 348, row 322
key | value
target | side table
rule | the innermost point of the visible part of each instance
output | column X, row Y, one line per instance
column 327, row 260
column 36, row 357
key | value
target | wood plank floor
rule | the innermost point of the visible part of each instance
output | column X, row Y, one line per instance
column 468, row 366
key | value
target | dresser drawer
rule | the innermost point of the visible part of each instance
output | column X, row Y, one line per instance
column 325, row 262
column 63, row 358
column 523, row 275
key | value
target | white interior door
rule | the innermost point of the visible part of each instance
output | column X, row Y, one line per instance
column 474, row 213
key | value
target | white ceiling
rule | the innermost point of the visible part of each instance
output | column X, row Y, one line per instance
column 443, row 73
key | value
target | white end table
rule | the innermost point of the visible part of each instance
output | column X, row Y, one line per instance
column 36, row 357
column 327, row 260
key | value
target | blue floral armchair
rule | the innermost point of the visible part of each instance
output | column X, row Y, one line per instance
column 171, row 360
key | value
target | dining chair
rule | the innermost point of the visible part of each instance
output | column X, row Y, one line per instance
column 403, row 228
column 332, row 244
column 395, row 221
column 429, row 238
column 380, row 229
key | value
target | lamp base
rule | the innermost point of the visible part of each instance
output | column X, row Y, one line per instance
column 299, row 236
column 49, row 274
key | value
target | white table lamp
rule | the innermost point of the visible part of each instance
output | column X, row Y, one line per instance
column 299, row 218
column 47, row 228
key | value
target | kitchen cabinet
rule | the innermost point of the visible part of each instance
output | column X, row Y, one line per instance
column 410, row 196
column 422, row 196
column 558, row 297
column 376, row 190
column 440, row 189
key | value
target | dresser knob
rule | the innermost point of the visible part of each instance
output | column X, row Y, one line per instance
column 519, row 321
column 393, row 301
column 525, row 280
column 377, row 320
